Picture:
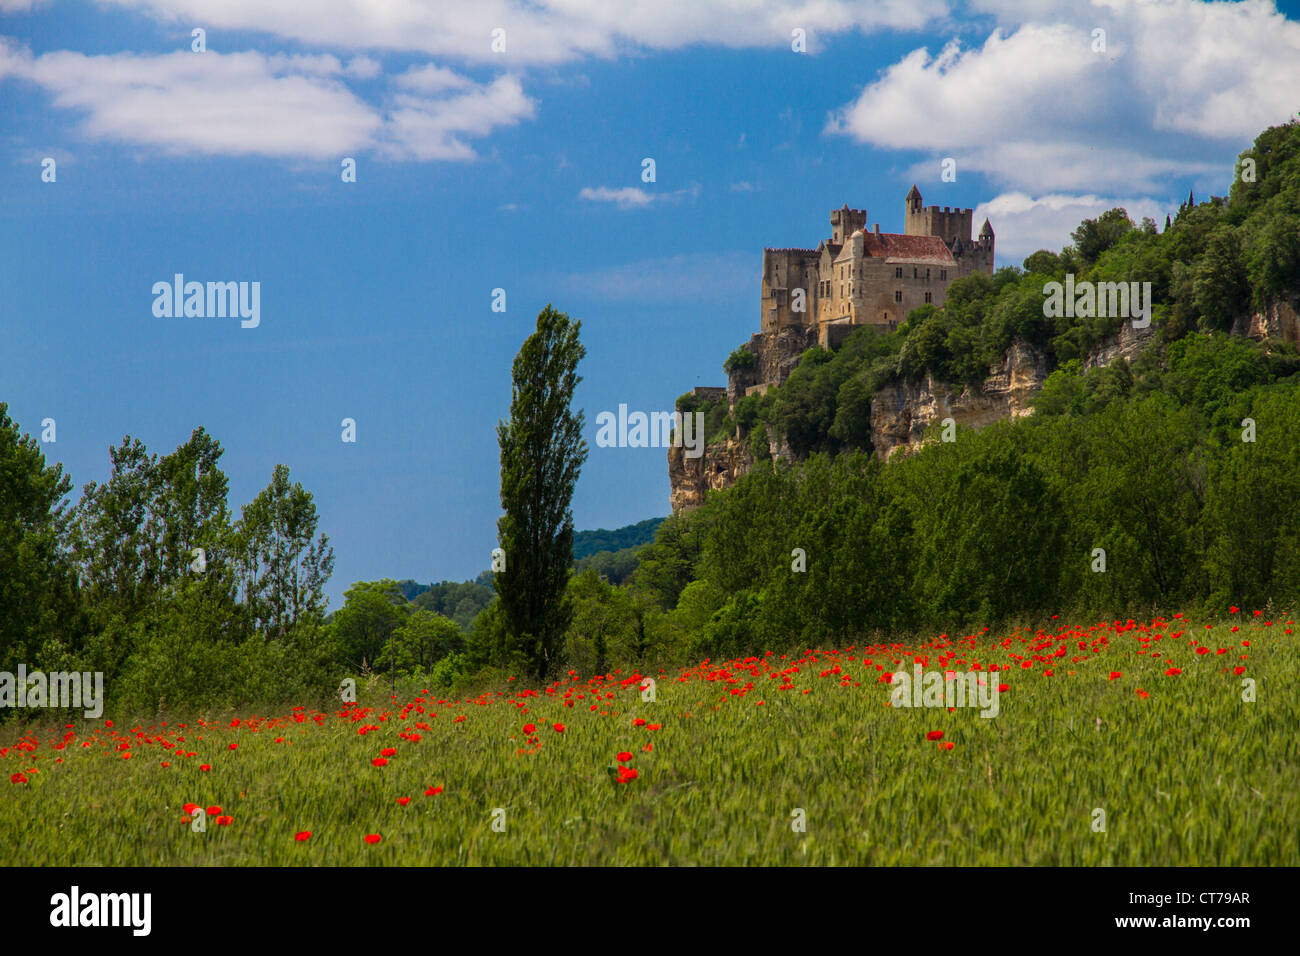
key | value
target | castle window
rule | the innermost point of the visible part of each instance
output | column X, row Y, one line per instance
column 927, row 275
column 927, row 297
column 943, row 275
column 914, row 274
column 898, row 272
column 898, row 295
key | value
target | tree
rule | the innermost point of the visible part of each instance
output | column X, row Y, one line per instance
column 1221, row 287
column 1095, row 236
column 371, row 612
column 284, row 571
column 542, row 451
column 34, row 583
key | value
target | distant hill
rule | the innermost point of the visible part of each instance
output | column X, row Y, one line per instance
column 462, row 601
column 587, row 543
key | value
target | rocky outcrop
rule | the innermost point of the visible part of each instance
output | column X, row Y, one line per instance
column 692, row 479
column 776, row 355
column 901, row 413
column 1126, row 344
column 1278, row 321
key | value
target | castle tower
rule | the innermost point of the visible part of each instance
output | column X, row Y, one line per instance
column 914, row 223
column 846, row 221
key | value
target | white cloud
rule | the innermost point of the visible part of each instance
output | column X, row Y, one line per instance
column 1064, row 166
column 541, row 31
column 431, row 78
column 629, row 197
column 426, row 129
column 632, row 197
column 1036, row 108
column 253, row 104
column 1025, row 224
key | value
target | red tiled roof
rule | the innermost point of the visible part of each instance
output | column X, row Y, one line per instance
column 891, row 245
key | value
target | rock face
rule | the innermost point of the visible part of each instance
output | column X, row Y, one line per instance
column 693, row 478
column 1125, row 345
column 1278, row 321
column 900, row 413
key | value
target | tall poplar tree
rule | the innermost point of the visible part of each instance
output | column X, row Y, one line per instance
column 542, row 451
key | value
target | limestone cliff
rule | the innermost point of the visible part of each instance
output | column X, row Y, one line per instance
column 1278, row 321
column 900, row 413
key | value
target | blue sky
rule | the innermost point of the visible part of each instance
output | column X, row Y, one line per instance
column 521, row 170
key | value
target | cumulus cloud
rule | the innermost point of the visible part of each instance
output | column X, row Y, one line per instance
column 542, row 31
column 267, row 105
column 1040, row 106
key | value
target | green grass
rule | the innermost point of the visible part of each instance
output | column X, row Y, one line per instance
column 1191, row 775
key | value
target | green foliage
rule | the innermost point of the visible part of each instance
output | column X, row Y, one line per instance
column 150, row 582
column 542, row 451
column 741, row 358
column 614, row 566
column 587, row 543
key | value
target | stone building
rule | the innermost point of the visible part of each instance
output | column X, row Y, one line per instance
column 868, row 277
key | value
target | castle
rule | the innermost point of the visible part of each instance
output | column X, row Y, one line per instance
column 859, row 277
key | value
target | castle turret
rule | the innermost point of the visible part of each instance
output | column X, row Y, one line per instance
column 914, row 223
column 844, row 221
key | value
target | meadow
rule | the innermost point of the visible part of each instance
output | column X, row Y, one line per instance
column 782, row 759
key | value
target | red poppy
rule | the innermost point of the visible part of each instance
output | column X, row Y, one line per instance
column 303, row 836
column 559, row 728
column 388, row 752
column 379, row 762
column 234, row 746
column 214, row 811
column 653, row 726
column 403, row 801
column 1173, row 671
column 373, row 838
column 1239, row 670
column 624, row 757
column 433, row 791
column 638, row 722
column 946, row 745
column 1115, row 675
column 205, row 767
column 934, row 735
column 225, row 821
column 530, row 729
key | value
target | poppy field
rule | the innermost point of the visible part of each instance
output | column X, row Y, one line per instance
column 1119, row 743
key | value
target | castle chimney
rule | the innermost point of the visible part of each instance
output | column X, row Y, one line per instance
column 877, row 229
